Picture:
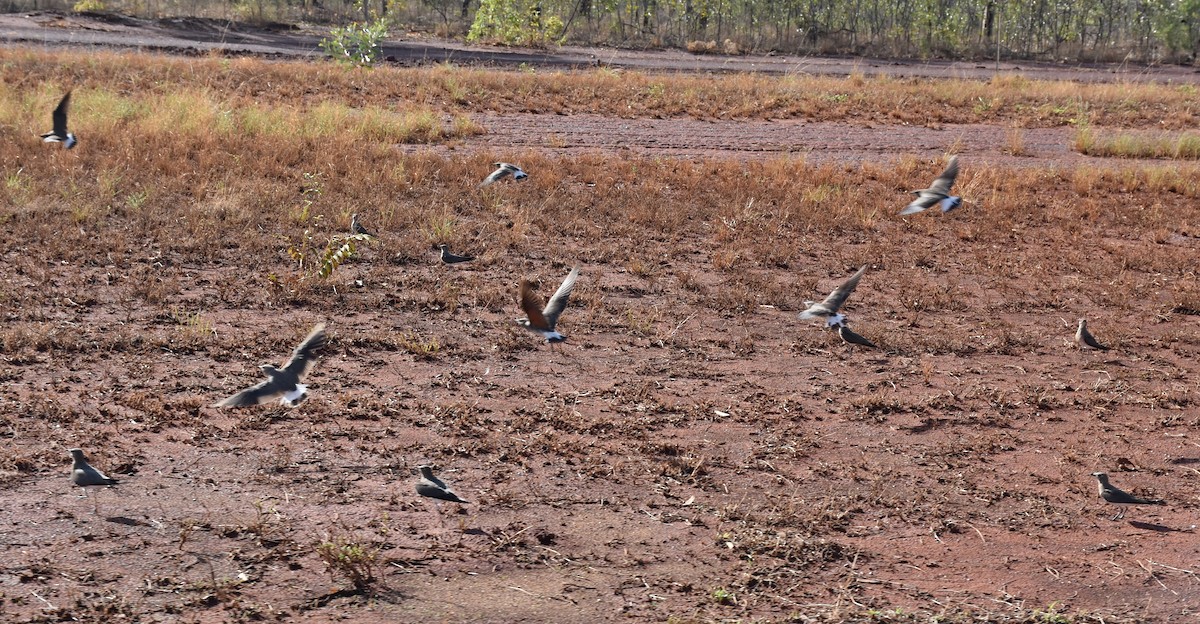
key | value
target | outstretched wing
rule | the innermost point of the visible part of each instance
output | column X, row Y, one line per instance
column 558, row 302
column 60, row 116
column 302, row 357
column 502, row 170
column 920, row 204
column 532, row 307
column 836, row 298
column 264, row 392
column 942, row 184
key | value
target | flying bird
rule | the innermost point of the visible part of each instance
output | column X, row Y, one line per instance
column 284, row 383
column 937, row 193
column 1117, row 496
column 449, row 258
column 1085, row 339
column 84, row 475
column 542, row 321
column 828, row 309
column 59, row 134
column 503, row 169
column 849, row 337
column 357, row 228
column 434, row 487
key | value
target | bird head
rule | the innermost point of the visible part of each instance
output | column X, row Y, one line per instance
column 76, row 453
column 1100, row 475
column 268, row 368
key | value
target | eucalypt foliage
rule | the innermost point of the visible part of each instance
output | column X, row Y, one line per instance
column 358, row 43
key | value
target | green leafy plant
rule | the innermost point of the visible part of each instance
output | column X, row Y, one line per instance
column 85, row 6
column 515, row 22
column 353, row 561
column 358, row 43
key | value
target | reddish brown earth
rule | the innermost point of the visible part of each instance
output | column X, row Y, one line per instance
column 669, row 450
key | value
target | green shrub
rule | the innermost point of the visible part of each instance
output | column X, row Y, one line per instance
column 356, row 44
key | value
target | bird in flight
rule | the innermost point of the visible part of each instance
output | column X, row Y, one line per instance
column 449, row 258
column 540, row 320
column 1085, row 339
column 59, row 134
column 434, row 487
column 937, row 193
column 828, row 309
column 504, row 169
column 1119, row 497
column 283, row 383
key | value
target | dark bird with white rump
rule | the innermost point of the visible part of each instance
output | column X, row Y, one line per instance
column 283, row 383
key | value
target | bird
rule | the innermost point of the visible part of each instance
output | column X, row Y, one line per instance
column 449, row 258
column 544, row 320
column 828, row 309
column 59, row 134
column 283, row 383
column 357, row 228
column 849, row 337
column 84, row 475
column 937, row 193
column 1116, row 495
column 503, row 169
column 1085, row 339
column 433, row 487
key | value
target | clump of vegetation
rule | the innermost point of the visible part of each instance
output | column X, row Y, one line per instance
column 359, row 43
column 352, row 561
column 515, row 22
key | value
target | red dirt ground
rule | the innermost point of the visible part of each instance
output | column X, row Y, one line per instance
column 667, row 451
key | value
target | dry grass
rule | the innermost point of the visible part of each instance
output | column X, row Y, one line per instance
column 373, row 93
column 1137, row 144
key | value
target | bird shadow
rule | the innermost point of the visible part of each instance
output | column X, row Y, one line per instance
column 125, row 521
column 1185, row 460
column 1149, row 526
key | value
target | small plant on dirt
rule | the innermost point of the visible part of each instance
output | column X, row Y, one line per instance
column 723, row 596
column 358, row 44
column 313, row 258
column 353, row 561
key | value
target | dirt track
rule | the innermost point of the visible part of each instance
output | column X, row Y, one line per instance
column 195, row 36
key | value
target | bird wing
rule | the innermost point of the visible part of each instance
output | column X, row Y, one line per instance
column 558, row 302
column 920, row 204
column 60, row 116
column 1114, row 494
column 264, row 392
column 532, row 307
column 836, row 298
column 942, row 184
column 433, row 491
column 88, row 475
column 497, row 174
column 301, row 361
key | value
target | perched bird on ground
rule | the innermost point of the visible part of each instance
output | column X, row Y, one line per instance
column 1115, row 495
column 84, row 475
column 283, row 383
column 937, row 193
column 450, row 258
column 1084, row 338
column 542, row 321
column 357, row 228
column 433, row 487
column 828, row 309
column 849, row 337
column 503, row 169
column 59, row 134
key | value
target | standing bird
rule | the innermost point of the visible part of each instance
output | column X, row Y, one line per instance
column 849, row 337
column 449, row 258
column 542, row 321
column 283, row 383
column 85, row 476
column 828, row 309
column 1117, row 496
column 1085, row 339
column 59, row 134
column 434, row 487
column 503, row 169
column 938, row 192
column 357, row 228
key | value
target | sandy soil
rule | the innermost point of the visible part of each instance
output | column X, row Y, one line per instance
column 666, row 453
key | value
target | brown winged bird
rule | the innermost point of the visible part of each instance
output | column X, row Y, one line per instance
column 1085, row 339
column 357, row 228
column 1117, row 496
column 59, row 134
column 504, row 169
column 849, row 337
column 283, row 383
column 449, row 258
column 540, row 320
